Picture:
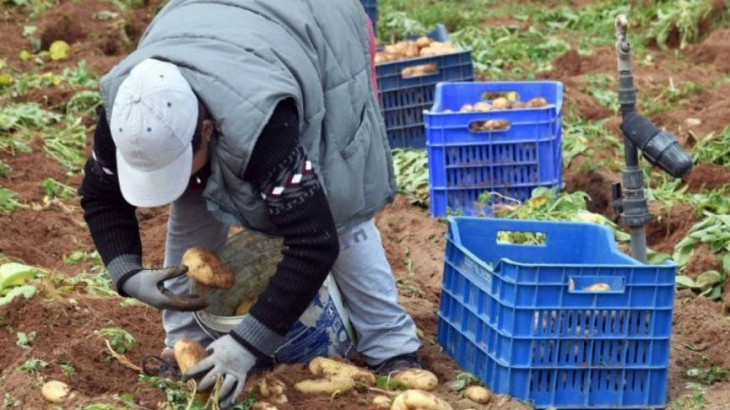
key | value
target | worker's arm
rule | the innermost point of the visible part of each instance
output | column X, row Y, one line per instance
column 115, row 231
column 297, row 205
column 111, row 220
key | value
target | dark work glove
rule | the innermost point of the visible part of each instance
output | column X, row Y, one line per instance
column 232, row 361
column 148, row 286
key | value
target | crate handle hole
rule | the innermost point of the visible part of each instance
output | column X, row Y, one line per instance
column 421, row 70
column 522, row 238
column 597, row 285
column 485, row 126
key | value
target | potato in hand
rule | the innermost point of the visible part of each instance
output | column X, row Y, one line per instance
column 205, row 268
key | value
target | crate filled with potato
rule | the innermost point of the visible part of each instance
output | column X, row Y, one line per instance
column 492, row 143
column 408, row 72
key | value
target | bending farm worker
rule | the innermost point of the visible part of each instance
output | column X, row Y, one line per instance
column 264, row 115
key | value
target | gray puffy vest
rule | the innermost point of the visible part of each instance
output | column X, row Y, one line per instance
column 242, row 58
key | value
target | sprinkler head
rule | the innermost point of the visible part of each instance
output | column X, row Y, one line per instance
column 659, row 147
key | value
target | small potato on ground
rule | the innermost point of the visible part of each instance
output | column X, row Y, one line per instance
column 477, row 394
column 381, row 402
column 419, row 400
column 322, row 366
column 274, row 390
column 418, row 379
column 328, row 385
column 262, row 405
column 56, row 391
column 205, row 268
column 188, row 353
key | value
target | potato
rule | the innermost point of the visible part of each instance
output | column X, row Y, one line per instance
column 412, row 50
column 328, row 385
column 205, row 268
column 519, row 104
column 466, row 108
column 418, row 400
column 245, row 306
column 477, row 394
column 429, row 51
column 188, row 353
column 322, row 366
column 274, row 390
column 418, row 379
column 423, row 41
column 442, row 46
column 500, row 103
column 598, row 287
column 56, row 391
column 482, row 106
column 492, row 125
column 537, row 102
column 262, row 405
column 409, row 72
column 381, row 402
column 391, row 49
column 400, row 47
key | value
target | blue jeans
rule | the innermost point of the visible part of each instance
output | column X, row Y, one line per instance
column 362, row 274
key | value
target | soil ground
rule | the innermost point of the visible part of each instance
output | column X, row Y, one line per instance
column 65, row 322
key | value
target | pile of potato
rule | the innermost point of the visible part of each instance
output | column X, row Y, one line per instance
column 502, row 103
column 334, row 377
column 422, row 47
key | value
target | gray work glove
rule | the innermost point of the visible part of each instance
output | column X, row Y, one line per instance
column 148, row 286
column 232, row 361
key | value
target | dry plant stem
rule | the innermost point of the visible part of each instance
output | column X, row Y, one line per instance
column 122, row 359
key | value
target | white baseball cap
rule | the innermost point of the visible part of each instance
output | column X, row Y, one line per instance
column 153, row 120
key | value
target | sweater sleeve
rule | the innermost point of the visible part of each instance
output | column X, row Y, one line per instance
column 297, row 205
column 111, row 220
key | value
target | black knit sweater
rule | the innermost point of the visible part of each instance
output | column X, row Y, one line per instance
column 297, row 205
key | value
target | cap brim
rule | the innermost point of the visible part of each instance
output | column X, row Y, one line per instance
column 156, row 188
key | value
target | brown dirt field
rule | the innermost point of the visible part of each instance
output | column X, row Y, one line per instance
column 65, row 336
column 707, row 176
column 714, row 50
column 669, row 227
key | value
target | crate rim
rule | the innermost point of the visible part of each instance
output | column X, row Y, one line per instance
column 440, row 85
column 634, row 264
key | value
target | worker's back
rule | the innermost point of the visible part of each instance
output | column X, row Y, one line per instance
column 242, row 58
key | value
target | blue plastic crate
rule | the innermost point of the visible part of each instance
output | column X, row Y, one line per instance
column 464, row 164
column 520, row 318
column 371, row 8
column 403, row 99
